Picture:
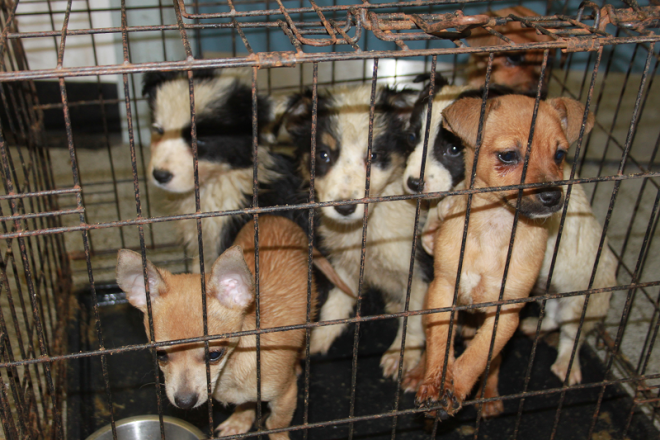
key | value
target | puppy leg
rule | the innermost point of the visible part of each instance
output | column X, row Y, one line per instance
column 433, row 389
column 414, row 335
column 472, row 363
column 282, row 409
column 528, row 325
column 495, row 407
column 338, row 306
column 239, row 422
column 414, row 377
column 566, row 341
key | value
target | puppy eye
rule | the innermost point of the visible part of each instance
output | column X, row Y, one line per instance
column 161, row 355
column 515, row 59
column 323, row 156
column 508, row 157
column 157, row 129
column 374, row 156
column 453, row 150
column 412, row 138
column 215, row 356
column 559, row 156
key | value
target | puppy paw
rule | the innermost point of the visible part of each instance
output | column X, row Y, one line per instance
column 429, row 395
column 528, row 326
column 323, row 337
column 390, row 362
column 492, row 409
column 560, row 368
column 239, row 422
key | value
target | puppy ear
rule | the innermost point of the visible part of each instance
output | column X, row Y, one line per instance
column 462, row 119
column 231, row 279
column 130, row 278
column 571, row 113
column 398, row 103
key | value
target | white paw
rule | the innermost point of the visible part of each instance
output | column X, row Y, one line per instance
column 237, row 423
column 528, row 326
column 390, row 361
column 560, row 368
column 323, row 337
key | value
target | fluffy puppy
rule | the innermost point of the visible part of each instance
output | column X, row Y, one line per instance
column 223, row 107
column 519, row 70
column 176, row 303
column 575, row 258
column 340, row 174
column 503, row 150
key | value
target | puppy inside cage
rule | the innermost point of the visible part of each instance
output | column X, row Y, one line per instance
column 274, row 206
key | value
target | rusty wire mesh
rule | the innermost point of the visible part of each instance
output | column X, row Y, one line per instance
column 42, row 212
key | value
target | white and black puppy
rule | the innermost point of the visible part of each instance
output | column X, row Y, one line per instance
column 223, row 108
column 577, row 251
column 340, row 174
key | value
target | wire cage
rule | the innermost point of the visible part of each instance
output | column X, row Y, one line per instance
column 75, row 148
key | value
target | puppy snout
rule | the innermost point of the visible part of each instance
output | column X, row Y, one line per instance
column 345, row 210
column 414, row 184
column 551, row 197
column 185, row 400
column 162, row 176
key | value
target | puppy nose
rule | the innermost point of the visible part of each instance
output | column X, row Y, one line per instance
column 162, row 176
column 345, row 209
column 414, row 184
column 550, row 197
column 185, row 401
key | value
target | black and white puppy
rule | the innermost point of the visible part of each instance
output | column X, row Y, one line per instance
column 340, row 174
column 223, row 108
column 444, row 170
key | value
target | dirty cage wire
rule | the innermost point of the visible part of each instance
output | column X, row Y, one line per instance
column 62, row 227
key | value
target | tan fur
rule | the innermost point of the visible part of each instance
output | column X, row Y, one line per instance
column 506, row 127
column 177, row 314
column 523, row 77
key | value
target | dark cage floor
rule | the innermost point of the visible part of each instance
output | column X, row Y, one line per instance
column 133, row 392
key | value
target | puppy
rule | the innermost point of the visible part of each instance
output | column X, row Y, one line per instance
column 519, row 70
column 176, row 304
column 223, row 107
column 576, row 254
column 340, row 174
column 503, row 150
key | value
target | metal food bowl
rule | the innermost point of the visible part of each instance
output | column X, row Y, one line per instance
column 148, row 428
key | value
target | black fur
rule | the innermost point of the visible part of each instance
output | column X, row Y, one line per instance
column 151, row 80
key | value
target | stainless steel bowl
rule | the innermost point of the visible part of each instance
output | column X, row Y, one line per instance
column 148, row 428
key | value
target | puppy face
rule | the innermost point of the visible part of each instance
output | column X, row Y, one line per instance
column 444, row 156
column 342, row 143
column 176, row 304
column 223, row 109
column 519, row 70
column 504, row 145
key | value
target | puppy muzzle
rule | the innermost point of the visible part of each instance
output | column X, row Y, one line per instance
column 543, row 203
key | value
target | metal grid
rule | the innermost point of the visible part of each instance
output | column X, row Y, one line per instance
column 35, row 263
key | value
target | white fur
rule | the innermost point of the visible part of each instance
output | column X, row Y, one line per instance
column 435, row 175
column 389, row 231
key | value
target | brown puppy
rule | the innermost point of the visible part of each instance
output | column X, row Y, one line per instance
column 176, row 302
column 503, row 150
column 519, row 70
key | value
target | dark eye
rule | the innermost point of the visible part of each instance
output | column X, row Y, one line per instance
column 323, row 156
column 161, row 355
column 412, row 138
column 215, row 356
column 515, row 59
column 374, row 156
column 453, row 150
column 508, row 157
column 157, row 129
column 559, row 156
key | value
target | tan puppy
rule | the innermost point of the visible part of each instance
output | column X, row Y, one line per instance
column 519, row 70
column 176, row 303
column 506, row 132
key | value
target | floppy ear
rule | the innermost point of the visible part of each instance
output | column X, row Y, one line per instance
column 231, row 279
column 398, row 103
column 571, row 113
column 298, row 115
column 462, row 119
column 130, row 278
